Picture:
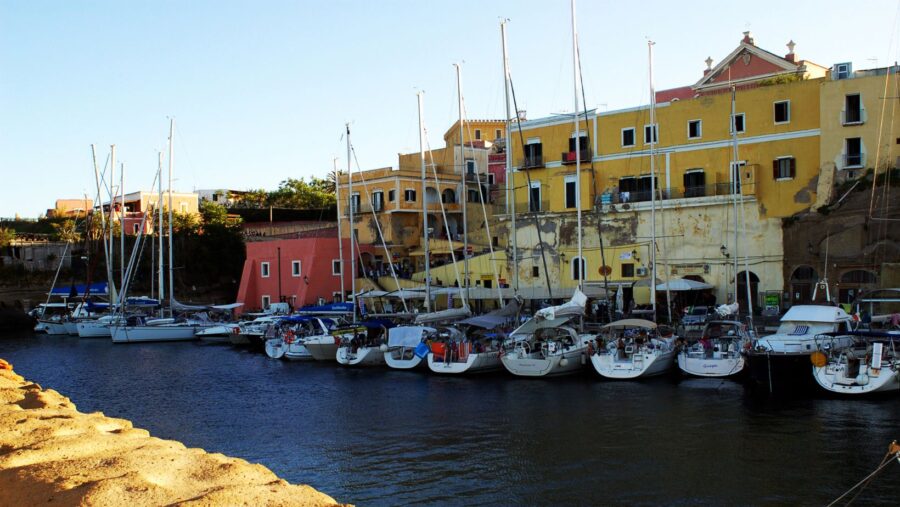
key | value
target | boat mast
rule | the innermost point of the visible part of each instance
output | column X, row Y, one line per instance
column 653, row 140
column 735, row 188
column 110, row 287
column 337, row 197
column 159, row 233
column 122, row 228
column 112, row 214
column 171, row 265
column 465, row 188
column 351, row 210
column 510, row 190
column 581, row 263
column 420, row 97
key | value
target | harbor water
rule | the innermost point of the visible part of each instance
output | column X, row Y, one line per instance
column 381, row 437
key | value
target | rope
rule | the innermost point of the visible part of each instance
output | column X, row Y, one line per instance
column 863, row 484
column 444, row 216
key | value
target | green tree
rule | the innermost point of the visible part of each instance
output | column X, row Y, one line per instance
column 185, row 223
column 213, row 213
column 66, row 231
column 298, row 194
column 257, row 198
column 6, row 236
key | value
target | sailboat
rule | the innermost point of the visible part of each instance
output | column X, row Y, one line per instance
column 871, row 364
column 478, row 351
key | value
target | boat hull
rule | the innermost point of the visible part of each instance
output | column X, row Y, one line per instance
column 132, row 334
column 402, row 362
column 482, row 362
column 364, row 356
column 52, row 328
column 641, row 364
column 527, row 365
column 93, row 329
column 275, row 348
column 717, row 367
column 323, row 349
column 832, row 378
column 297, row 351
column 780, row 372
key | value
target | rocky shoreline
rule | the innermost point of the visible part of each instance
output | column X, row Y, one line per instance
column 51, row 452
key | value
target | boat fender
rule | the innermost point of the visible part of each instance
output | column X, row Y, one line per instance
column 236, row 330
column 818, row 359
column 564, row 361
column 862, row 379
column 383, row 347
column 590, row 348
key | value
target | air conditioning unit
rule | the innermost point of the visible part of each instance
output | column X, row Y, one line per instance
column 641, row 271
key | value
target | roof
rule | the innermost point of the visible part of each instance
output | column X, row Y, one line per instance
column 815, row 313
column 680, row 93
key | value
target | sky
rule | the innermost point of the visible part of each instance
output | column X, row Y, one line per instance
column 260, row 91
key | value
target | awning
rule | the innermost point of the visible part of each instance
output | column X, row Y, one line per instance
column 683, row 284
column 443, row 315
column 631, row 323
column 533, row 325
column 407, row 336
column 495, row 318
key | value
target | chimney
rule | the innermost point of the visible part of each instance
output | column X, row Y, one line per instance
column 709, row 61
column 791, row 57
column 748, row 38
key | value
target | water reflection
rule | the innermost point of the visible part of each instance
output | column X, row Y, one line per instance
column 379, row 437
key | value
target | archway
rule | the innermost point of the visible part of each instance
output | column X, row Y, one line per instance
column 802, row 281
column 853, row 282
column 448, row 196
column 742, row 291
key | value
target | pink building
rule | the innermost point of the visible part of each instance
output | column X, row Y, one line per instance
column 303, row 271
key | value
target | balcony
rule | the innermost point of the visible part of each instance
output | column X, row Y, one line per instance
column 664, row 194
column 532, row 162
column 568, row 157
column 854, row 160
column 853, row 116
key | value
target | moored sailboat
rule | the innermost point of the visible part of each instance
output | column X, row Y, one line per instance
column 871, row 364
column 631, row 349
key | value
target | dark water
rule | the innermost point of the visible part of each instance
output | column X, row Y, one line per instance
column 380, row 437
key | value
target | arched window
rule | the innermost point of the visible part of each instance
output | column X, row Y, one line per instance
column 579, row 266
column 804, row 274
column 858, row 276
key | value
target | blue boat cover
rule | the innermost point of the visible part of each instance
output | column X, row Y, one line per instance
column 97, row 288
column 422, row 350
column 332, row 308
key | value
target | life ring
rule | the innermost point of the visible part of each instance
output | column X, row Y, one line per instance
column 289, row 336
column 236, row 330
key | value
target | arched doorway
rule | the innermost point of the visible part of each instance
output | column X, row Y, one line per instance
column 448, row 196
column 853, row 282
column 803, row 279
column 742, row 291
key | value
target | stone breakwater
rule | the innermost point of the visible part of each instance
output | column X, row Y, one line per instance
column 51, row 452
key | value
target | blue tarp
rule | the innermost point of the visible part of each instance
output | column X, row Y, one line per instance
column 422, row 350
column 95, row 289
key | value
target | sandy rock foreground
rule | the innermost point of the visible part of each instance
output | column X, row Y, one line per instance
column 52, row 453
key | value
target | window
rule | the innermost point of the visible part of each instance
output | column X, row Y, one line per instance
column 651, row 134
column 473, row 196
column 354, row 203
column 627, row 186
column 477, row 134
column 627, row 270
column 535, row 272
column 490, row 177
column 582, row 144
column 534, row 153
column 266, row 300
column 392, row 195
column 184, row 207
column 470, row 167
column 694, row 183
column 645, row 188
column 498, row 134
column 409, row 195
column 628, row 137
column 264, row 270
column 571, row 200
column 136, row 228
column 736, row 167
column 695, row 129
column 378, row 200
column 534, row 196
column 335, row 266
column 335, row 297
column 737, row 124
column 578, row 268
column 784, row 168
column 295, row 268
column 783, row 112
column 853, row 111
column 842, row 70
column 853, row 156
column 495, row 240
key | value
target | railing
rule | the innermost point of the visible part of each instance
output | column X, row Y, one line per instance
column 568, row 157
column 854, row 160
column 853, row 116
column 532, row 162
column 716, row 189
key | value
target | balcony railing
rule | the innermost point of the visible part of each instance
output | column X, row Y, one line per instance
column 532, row 162
column 853, row 160
column 715, row 189
column 568, row 157
column 853, row 116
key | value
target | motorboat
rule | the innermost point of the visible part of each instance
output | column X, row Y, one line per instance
column 362, row 345
column 632, row 349
column 52, row 319
column 717, row 353
column 780, row 361
column 548, row 344
column 479, row 349
column 870, row 364
column 292, row 334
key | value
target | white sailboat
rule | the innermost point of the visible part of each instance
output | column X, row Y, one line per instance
column 871, row 364
column 478, row 351
column 718, row 352
column 631, row 349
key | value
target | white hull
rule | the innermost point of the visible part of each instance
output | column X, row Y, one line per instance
column 364, row 356
column 297, row 351
column 164, row 333
column 239, row 339
column 322, row 348
column 52, row 328
column 475, row 363
column 402, row 361
column 275, row 348
column 532, row 365
column 93, row 329
column 641, row 364
column 71, row 327
column 701, row 366
column 220, row 331
column 832, row 377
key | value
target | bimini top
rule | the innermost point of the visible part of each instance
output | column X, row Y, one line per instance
column 631, row 323
column 815, row 313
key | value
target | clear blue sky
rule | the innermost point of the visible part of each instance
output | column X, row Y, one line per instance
column 261, row 90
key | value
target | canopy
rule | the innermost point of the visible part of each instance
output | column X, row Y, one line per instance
column 443, row 315
column 533, row 325
column 573, row 307
column 407, row 336
column 94, row 289
column 372, row 294
column 416, row 293
column 230, row 306
column 631, row 323
column 181, row 307
column 495, row 318
column 683, row 284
